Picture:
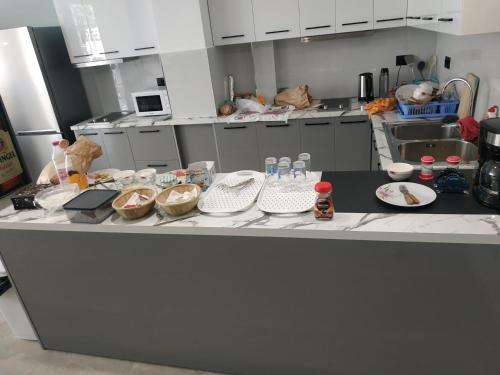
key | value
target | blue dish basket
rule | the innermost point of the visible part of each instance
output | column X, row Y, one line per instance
column 430, row 110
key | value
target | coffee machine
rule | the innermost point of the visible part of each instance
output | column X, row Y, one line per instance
column 487, row 179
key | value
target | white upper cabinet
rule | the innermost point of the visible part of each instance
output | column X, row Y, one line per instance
column 390, row 13
column 73, row 20
column 144, row 36
column 110, row 30
column 423, row 12
column 317, row 17
column 232, row 21
column 276, row 19
column 354, row 15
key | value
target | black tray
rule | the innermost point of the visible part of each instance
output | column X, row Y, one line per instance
column 354, row 192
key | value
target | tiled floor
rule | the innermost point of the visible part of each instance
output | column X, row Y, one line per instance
column 18, row 357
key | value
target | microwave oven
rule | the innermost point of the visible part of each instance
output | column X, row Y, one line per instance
column 152, row 103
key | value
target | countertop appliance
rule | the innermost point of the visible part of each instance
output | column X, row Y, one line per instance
column 366, row 92
column 12, row 171
column 487, row 180
column 154, row 102
column 42, row 92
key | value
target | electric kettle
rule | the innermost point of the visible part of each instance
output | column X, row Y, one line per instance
column 365, row 88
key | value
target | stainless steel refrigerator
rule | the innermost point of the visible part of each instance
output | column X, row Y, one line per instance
column 43, row 93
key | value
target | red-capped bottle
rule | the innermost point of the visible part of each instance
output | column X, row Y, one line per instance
column 323, row 209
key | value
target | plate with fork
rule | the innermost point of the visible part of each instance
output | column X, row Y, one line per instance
column 406, row 194
column 236, row 192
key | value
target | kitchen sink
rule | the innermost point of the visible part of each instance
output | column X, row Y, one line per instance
column 409, row 141
column 439, row 149
column 425, row 130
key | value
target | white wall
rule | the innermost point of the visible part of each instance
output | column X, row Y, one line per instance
column 478, row 54
column 18, row 13
column 109, row 88
column 331, row 67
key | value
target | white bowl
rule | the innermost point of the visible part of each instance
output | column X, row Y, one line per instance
column 400, row 171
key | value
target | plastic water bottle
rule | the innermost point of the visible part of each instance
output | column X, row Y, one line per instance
column 59, row 160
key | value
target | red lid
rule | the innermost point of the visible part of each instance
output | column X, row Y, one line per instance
column 493, row 109
column 454, row 159
column 55, row 143
column 323, row 187
column 428, row 160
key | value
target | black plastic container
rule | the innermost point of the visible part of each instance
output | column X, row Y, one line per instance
column 91, row 206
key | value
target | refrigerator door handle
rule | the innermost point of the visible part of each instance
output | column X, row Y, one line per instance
column 38, row 132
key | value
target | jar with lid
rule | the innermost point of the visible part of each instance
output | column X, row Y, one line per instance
column 453, row 162
column 427, row 172
column 323, row 209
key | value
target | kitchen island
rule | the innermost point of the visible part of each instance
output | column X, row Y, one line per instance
column 252, row 293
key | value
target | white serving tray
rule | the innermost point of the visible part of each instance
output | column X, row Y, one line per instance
column 279, row 199
column 218, row 200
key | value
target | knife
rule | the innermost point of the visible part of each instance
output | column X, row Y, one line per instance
column 410, row 199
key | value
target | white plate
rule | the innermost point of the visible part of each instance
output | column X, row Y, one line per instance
column 92, row 175
column 390, row 194
column 219, row 200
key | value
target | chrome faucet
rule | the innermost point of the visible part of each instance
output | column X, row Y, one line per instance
column 472, row 93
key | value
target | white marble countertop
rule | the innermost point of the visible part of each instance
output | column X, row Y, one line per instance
column 136, row 121
column 358, row 226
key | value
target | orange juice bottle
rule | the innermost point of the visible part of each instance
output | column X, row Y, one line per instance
column 74, row 176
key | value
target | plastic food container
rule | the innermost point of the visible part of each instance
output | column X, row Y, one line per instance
column 91, row 207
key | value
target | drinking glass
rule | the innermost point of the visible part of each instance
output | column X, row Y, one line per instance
column 271, row 166
column 299, row 170
column 306, row 158
column 287, row 160
column 283, row 172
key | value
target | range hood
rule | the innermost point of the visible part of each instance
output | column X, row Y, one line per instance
column 319, row 38
column 90, row 64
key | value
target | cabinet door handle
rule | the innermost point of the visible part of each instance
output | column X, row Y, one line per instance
column 109, row 53
column 233, row 36
column 157, row 165
column 445, row 19
column 113, row 133
column 143, row 48
column 317, row 123
column 277, row 32
column 235, row 127
column 318, row 27
column 355, row 23
column 413, row 18
column 353, row 122
column 427, row 18
column 89, row 134
column 375, row 145
column 80, row 56
column 148, row 131
column 277, row 125
column 391, row 19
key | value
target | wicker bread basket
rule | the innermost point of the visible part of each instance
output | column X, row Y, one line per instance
column 136, row 212
column 178, row 209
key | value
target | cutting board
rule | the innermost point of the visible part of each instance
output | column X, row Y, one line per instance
column 465, row 97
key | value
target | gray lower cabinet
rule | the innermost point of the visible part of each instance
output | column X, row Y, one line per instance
column 153, row 143
column 278, row 139
column 161, row 166
column 353, row 147
column 117, row 148
column 317, row 138
column 238, row 146
column 197, row 143
column 96, row 137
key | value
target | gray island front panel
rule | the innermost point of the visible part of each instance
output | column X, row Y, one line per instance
column 262, row 305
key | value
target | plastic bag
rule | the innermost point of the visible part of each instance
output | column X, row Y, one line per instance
column 298, row 96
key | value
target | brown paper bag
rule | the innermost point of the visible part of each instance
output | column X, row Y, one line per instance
column 298, row 96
